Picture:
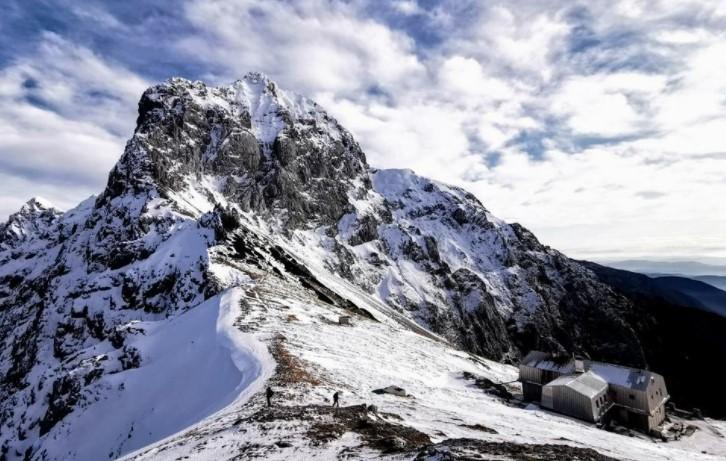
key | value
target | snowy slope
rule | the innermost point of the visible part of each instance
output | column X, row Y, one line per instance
column 193, row 365
column 368, row 355
column 239, row 223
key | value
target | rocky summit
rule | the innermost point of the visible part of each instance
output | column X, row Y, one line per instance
column 239, row 225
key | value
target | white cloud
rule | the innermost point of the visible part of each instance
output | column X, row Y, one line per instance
column 607, row 104
column 65, row 115
column 311, row 46
column 407, row 7
column 698, row 92
column 514, row 39
column 466, row 79
column 619, row 201
column 681, row 37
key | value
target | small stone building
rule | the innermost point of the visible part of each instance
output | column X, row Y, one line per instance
column 632, row 396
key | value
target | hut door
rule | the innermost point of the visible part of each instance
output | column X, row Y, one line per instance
column 623, row 416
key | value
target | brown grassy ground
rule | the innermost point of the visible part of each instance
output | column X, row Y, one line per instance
column 290, row 369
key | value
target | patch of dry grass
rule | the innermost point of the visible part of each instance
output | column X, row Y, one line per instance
column 291, row 369
column 292, row 318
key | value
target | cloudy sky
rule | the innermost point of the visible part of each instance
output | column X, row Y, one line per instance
column 600, row 125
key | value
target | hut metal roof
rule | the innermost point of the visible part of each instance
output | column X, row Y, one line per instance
column 588, row 384
column 631, row 378
column 545, row 361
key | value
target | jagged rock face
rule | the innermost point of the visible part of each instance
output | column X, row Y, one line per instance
column 33, row 220
column 208, row 163
column 269, row 152
column 435, row 252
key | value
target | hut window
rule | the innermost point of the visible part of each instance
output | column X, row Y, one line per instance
column 631, row 396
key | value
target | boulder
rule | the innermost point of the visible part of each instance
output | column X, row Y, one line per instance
column 393, row 390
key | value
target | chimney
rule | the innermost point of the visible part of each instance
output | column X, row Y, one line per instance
column 579, row 365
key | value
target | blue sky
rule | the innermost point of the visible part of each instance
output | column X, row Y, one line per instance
column 599, row 124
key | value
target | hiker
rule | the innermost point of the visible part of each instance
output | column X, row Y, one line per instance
column 335, row 400
column 269, row 393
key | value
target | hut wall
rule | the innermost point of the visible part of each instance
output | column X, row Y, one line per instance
column 537, row 375
column 657, row 418
column 531, row 392
column 570, row 402
column 629, row 397
column 656, row 392
column 547, row 397
column 645, row 410
column 531, row 374
column 549, row 376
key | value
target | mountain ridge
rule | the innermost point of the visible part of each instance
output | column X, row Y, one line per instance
column 219, row 184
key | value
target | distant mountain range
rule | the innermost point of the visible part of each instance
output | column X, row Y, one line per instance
column 680, row 291
column 713, row 280
column 687, row 283
column 706, row 296
column 688, row 269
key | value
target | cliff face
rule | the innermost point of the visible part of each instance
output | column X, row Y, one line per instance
column 208, row 166
column 261, row 148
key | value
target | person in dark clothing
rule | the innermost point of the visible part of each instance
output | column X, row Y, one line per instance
column 335, row 399
column 269, row 394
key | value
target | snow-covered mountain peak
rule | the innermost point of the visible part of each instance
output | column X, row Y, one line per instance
column 256, row 77
column 396, row 183
column 34, row 220
column 36, row 204
column 257, row 99
column 266, row 105
column 250, row 144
